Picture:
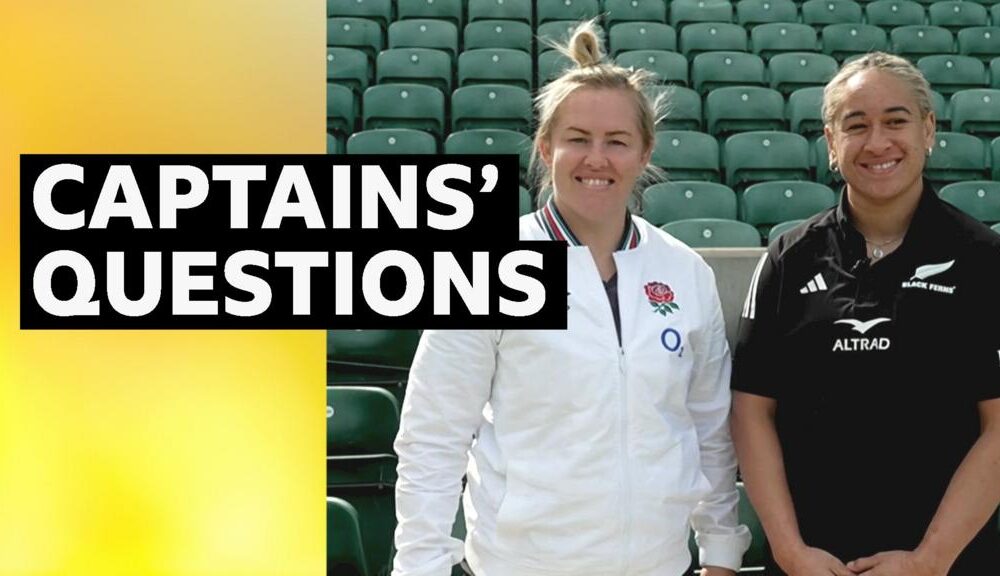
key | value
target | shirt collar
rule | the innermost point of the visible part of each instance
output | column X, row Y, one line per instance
column 922, row 223
column 552, row 222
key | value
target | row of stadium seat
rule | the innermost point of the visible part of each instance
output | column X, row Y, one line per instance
column 741, row 160
column 725, row 110
column 886, row 13
column 785, row 71
column 838, row 40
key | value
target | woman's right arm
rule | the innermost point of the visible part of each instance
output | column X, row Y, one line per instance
column 763, row 470
column 755, row 436
column 449, row 385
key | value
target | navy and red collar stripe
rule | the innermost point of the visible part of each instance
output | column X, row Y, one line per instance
column 549, row 218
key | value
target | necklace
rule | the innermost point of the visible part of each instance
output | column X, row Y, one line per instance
column 877, row 248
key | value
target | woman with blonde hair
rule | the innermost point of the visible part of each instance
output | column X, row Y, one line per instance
column 592, row 450
column 866, row 411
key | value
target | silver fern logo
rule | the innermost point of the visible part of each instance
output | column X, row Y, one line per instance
column 922, row 273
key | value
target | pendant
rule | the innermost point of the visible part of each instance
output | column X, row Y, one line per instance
column 877, row 253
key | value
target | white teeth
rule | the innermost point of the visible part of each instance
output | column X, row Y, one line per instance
column 595, row 182
column 884, row 165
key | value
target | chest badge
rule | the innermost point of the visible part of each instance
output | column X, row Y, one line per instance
column 922, row 273
column 661, row 298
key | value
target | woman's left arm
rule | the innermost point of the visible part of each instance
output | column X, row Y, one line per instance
column 720, row 537
column 971, row 498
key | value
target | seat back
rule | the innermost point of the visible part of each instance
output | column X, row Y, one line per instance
column 687, row 155
column 793, row 70
column 714, row 233
column 766, row 40
column 979, row 199
column 391, row 141
column 669, row 201
column 744, row 108
column 753, row 157
column 627, row 36
column 847, row 39
column 416, row 106
column 667, row 67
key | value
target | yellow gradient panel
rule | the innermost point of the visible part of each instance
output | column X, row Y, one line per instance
column 158, row 452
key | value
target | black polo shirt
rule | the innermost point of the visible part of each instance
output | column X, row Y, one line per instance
column 877, row 369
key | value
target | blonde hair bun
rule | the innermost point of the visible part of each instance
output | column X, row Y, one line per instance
column 585, row 46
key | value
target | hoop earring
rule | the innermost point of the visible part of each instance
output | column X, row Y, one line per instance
column 834, row 167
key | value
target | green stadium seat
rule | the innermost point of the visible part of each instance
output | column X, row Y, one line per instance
column 391, row 141
column 341, row 115
column 979, row 199
column 552, row 10
column 344, row 547
column 915, row 42
column 683, row 12
column 702, row 37
column 941, row 111
column 414, row 66
column 687, row 155
column 519, row 10
column 415, row 106
column 669, row 67
column 995, row 73
column 345, row 552
column 551, row 65
column 996, row 228
column 450, row 10
column 821, row 162
column 348, row 66
column 525, row 205
column 744, row 108
column 684, row 110
column 641, row 36
column 956, row 157
column 820, row 13
column 361, row 421
column 766, row 40
column 949, row 73
column 358, row 354
column 498, row 34
column 805, row 111
column 955, row 15
column 712, row 70
column 491, row 141
column 378, row 10
column 669, row 201
column 616, row 11
column 893, row 13
column 976, row 112
column 995, row 159
column 423, row 33
column 981, row 42
column 754, row 12
column 491, row 106
column 359, row 33
column 558, row 32
column 779, row 229
column 994, row 12
column 361, row 466
column 334, row 143
column 495, row 66
column 844, row 40
column 752, row 157
column 793, row 70
column 713, row 233
column 768, row 203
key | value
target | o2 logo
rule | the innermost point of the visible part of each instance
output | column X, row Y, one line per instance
column 672, row 341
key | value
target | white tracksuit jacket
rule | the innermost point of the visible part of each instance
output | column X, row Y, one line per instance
column 590, row 458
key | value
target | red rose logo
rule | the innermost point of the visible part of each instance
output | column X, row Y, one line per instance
column 661, row 298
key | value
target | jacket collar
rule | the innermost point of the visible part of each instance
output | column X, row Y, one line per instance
column 921, row 225
column 552, row 222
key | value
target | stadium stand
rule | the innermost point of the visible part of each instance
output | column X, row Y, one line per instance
column 687, row 155
column 450, row 10
column 495, row 66
column 753, row 12
column 345, row 551
column 414, row 65
column 980, row 199
column 641, row 36
column 780, row 228
column 683, row 12
column 712, row 36
column 769, row 203
column 753, row 157
column 669, row 67
column 712, row 70
column 743, row 109
column 498, row 34
column 916, row 41
column 820, row 13
column 793, row 70
column 844, row 40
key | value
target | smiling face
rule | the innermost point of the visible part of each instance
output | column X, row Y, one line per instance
column 595, row 153
column 879, row 139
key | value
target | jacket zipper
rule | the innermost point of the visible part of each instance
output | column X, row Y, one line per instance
column 627, row 488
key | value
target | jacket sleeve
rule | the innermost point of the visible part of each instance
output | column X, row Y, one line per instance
column 721, row 539
column 449, row 385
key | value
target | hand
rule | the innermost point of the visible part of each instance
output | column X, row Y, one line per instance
column 895, row 563
column 808, row 561
column 717, row 571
